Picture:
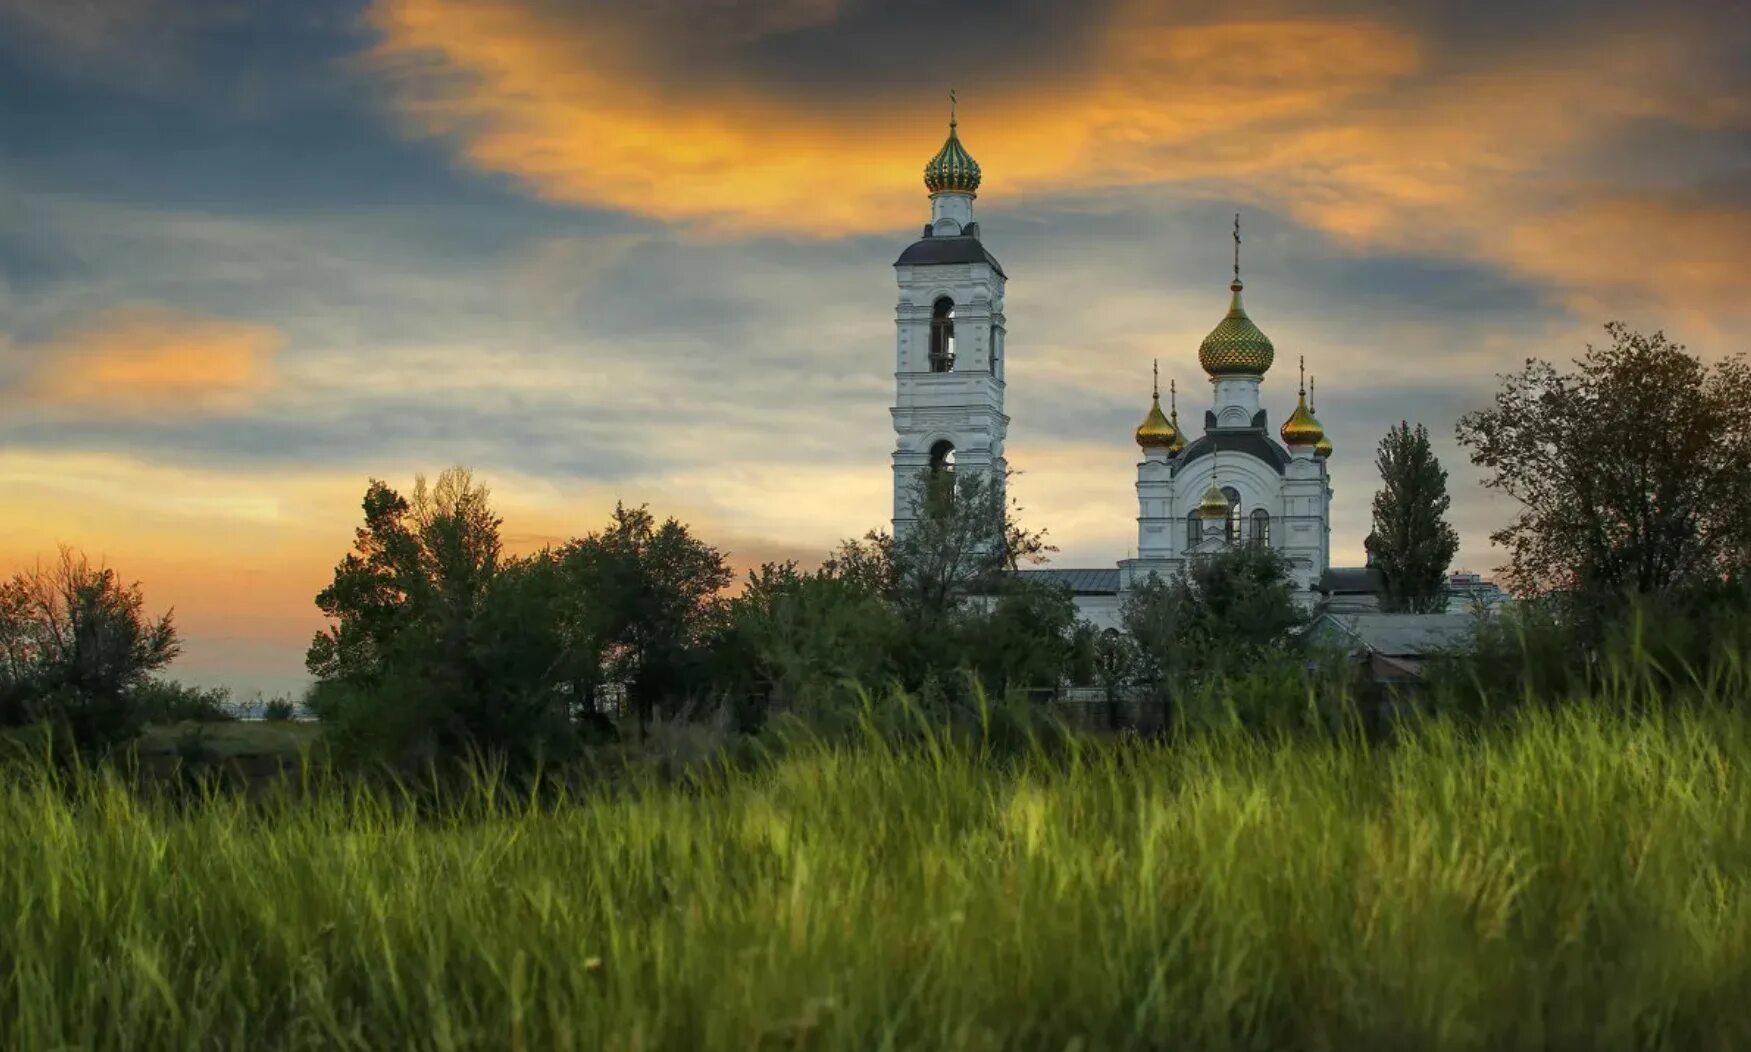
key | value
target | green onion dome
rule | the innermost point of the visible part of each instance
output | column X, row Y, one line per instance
column 953, row 169
column 1236, row 347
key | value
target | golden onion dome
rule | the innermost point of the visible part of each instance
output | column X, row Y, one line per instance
column 953, row 169
column 1215, row 504
column 1236, row 347
column 1157, row 431
column 1301, row 429
column 1179, row 437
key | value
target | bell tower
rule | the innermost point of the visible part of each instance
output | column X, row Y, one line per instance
column 949, row 337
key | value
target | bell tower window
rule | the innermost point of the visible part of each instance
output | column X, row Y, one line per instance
column 942, row 336
column 942, row 457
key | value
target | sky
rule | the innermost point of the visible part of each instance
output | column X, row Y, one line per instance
column 255, row 253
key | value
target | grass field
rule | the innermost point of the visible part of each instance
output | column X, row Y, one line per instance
column 1582, row 881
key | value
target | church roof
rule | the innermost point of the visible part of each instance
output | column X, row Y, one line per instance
column 1080, row 582
column 1360, row 580
column 930, row 251
column 1253, row 443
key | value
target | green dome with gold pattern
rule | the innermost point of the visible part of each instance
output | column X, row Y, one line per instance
column 953, row 169
column 1236, row 347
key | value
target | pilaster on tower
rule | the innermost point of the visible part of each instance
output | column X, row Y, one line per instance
column 949, row 342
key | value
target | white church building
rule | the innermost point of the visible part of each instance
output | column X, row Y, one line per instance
column 1235, row 481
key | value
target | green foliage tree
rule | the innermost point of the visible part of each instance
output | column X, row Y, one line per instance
column 656, row 591
column 1413, row 543
column 1024, row 639
column 438, row 645
column 1225, row 613
column 1633, row 472
column 794, row 638
column 77, row 650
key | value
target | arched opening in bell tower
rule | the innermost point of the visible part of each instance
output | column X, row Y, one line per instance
column 942, row 336
column 942, row 457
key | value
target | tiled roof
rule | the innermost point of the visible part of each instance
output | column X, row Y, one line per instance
column 1080, row 582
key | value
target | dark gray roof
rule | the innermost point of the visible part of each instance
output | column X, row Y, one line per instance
column 1080, row 582
column 1253, row 443
column 1398, row 635
column 1364, row 580
column 933, row 250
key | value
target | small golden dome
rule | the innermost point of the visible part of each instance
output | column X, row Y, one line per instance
column 953, row 169
column 1301, row 429
column 1215, row 504
column 1236, row 347
column 1179, row 437
column 1157, row 431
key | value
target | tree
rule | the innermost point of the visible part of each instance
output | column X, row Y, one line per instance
column 1025, row 640
column 439, row 645
column 1413, row 542
column 793, row 638
column 1223, row 612
column 77, row 649
column 966, row 536
column 657, row 589
column 1633, row 473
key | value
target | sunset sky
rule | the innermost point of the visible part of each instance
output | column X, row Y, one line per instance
column 253, row 254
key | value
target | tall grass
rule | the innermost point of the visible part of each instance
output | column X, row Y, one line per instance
column 1575, row 879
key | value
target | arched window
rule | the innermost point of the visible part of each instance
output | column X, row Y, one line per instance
column 1231, row 532
column 995, row 371
column 942, row 336
column 1194, row 529
column 1261, row 528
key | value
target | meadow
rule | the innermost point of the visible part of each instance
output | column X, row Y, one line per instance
column 1573, row 878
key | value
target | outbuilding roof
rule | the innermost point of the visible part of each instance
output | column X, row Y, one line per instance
column 1397, row 635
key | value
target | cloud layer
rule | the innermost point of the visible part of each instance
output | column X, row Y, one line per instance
column 253, row 255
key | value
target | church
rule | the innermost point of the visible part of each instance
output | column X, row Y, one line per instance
column 1235, row 481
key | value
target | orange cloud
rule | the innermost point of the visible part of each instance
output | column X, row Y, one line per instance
column 1350, row 126
column 143, row 357
column 553, row 103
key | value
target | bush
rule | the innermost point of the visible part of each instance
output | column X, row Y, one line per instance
column 279, row 710
column 166, row 701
